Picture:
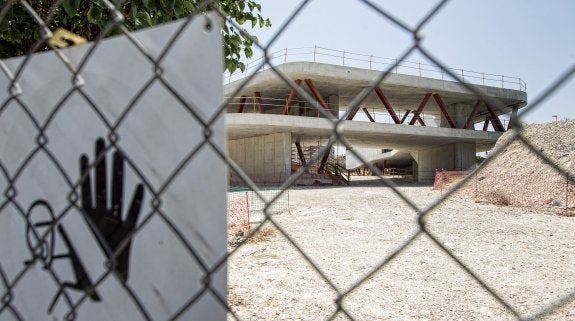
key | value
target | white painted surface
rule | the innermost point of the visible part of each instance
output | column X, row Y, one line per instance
column 156, row 135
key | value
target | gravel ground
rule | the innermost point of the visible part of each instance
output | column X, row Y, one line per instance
column 526, row 256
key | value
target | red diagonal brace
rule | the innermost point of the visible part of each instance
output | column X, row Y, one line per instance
column 317, row 95
column 444, row 111
column 321, row 168
column 416, row 113
column 352, row 113
column 387, row 105
column 405, row 116
column 258, row 102
column 368, row 115
column 301, row 155
column 497, row 125
column 471, row 117
column 242, row 104
column 486, row 123
column 291, row 97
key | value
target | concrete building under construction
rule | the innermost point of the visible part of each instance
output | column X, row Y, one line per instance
column 278, row 119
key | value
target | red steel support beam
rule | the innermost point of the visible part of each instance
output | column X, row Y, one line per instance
column 405, row 116
column 368, row 115
column 242, row 104
column 387, row 105
column 417, row 113
column 471, row 117
column 300, row 154
column 486, row 123
column 444, row 110
column 497, row 125
column 317, row 95
column 258, row 102
column 324, row 159
column 291, row 97
column 352, row 113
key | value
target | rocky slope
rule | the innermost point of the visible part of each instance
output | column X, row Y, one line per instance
column 517, row 175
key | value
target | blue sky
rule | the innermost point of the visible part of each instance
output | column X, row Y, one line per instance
column 532, row 40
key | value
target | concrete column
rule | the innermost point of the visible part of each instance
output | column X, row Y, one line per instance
column 266, row 159
column 451, row 157
column 464, row 156
column 459, row 114
column 513, row 119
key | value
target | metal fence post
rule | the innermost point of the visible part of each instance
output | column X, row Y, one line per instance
column 314, row 49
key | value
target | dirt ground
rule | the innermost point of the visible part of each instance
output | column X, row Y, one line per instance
column 525, row 256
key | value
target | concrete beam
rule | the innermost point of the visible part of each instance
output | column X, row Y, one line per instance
column 361, row 134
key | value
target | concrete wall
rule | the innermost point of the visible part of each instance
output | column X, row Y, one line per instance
column 266, row 159
column 457, row 156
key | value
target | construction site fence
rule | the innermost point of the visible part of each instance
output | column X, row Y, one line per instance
column 552, row 190
column 244, row 202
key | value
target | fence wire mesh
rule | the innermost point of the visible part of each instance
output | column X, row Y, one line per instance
column 338, row 294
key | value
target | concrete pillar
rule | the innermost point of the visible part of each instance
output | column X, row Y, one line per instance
column 513, row 119
column 459, row 114
column 266, row 159
column 464, row 156
column 451, row 157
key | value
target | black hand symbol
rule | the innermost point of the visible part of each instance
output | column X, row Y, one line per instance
column 106, row 222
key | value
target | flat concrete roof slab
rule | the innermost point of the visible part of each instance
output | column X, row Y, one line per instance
column 404, row 92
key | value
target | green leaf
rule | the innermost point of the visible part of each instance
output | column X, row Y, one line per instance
column 144, row 19
column 179, row 9
column 167, row 5
column 230, row 65
column 94, row 14
column 248, row 52
column 71, row 7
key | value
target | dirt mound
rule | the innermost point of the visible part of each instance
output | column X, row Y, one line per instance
column 518, row 176
column 555, row 140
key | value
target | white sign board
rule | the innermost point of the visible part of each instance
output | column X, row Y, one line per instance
column 117, row 151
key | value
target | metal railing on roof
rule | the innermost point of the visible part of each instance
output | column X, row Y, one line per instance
column 372, row 62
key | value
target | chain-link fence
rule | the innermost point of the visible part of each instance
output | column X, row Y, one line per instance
column 52, row 249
